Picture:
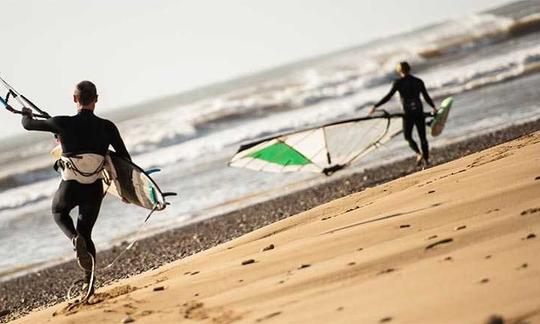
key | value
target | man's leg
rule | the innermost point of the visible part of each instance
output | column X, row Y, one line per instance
column 408, row 124
column 88, row 213
column 63, row 203
column 420, row 123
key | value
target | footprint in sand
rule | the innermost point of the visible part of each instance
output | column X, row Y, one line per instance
column 351, row 209
column 495, row 319
column 529, row 237
column 523, row 266
column 268, row 248
column 441, row 242
column 194, row 310
column 246, row 262
column 385, row 271
column 269, row 316
column 530, row 211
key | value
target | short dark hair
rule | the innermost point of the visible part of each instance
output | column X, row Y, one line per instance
column 87, row 92
column 404, row 67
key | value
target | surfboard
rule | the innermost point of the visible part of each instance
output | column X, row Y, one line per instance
column 437, row 125
column 128, row 182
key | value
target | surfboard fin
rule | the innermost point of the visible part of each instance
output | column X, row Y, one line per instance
column 167, row 194
column 150, row 171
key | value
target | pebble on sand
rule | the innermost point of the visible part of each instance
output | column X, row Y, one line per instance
column 303, row 266
column 4, row 312
column 459, row 228
column 160, row 288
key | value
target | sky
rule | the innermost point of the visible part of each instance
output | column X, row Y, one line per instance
column 135, row 50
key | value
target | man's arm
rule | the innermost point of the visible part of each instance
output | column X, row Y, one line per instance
column 117, row 142
column 426, row 96
column 47, row 125
column 385, row 98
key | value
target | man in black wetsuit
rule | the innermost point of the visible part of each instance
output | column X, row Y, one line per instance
column 410, row 88
column 82, row 135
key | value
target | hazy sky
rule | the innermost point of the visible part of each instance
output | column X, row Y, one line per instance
column 135, row 50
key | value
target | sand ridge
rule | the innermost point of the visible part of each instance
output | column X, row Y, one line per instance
column 456, row 243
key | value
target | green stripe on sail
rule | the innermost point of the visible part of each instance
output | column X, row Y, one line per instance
column 280, row 153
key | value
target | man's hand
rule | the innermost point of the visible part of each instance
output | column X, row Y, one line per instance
column 372, row 110
column 434, row 111
column 28, row 112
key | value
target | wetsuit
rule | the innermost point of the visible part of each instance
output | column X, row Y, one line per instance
column 82, row 133
column 410, row 88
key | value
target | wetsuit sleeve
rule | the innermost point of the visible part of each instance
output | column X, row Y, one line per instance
column 117, row 142
column 48, row 125
column 388, row 96
column 426, row 96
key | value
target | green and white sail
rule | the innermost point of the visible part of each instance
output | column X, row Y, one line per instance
column 324, row 149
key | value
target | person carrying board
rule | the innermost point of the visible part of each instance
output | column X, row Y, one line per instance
column 410, row 88
column 85, row 139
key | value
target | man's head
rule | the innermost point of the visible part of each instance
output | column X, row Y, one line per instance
column 403, row 68
column 85, row 95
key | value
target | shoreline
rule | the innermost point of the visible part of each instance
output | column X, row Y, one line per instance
column 47, row 287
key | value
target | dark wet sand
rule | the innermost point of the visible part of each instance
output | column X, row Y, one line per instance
column 48, row 287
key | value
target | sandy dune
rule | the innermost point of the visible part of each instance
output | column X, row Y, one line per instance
column 456, row 243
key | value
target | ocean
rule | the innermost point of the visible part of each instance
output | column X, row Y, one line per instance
column 489, row 63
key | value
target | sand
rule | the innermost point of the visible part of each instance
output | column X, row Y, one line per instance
column 456, row 243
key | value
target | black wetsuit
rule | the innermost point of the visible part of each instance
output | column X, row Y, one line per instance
column 410, row 88
column 82, row 133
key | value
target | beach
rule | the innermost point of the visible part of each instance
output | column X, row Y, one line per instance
column 488, row 62
column 471, row 207
column 455, row 243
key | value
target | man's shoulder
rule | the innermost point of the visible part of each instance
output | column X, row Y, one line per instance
column 415, row 78
column 61, row 118
column 105, row 121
